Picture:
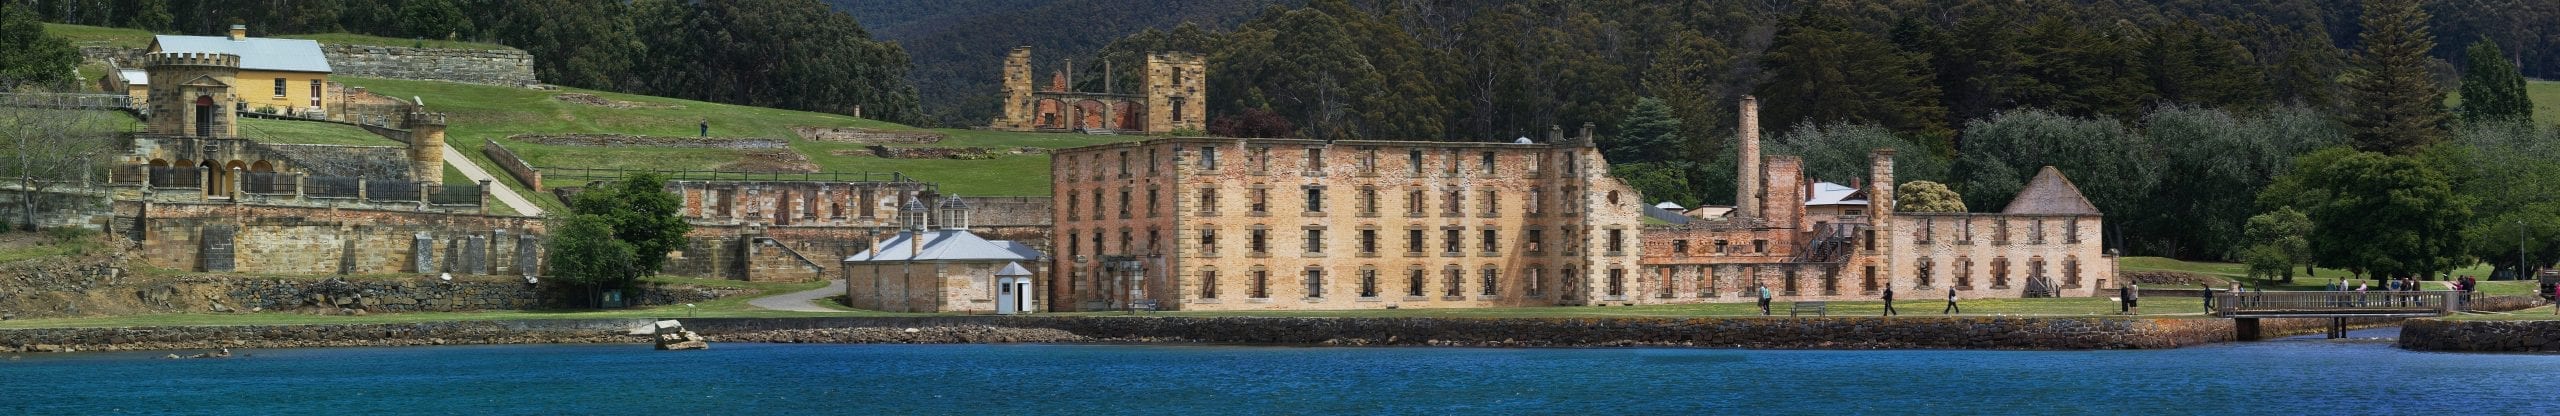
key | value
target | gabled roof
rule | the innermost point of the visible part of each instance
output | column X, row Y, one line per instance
column 2050, row 194
column 269, row 54
column 1826, row 193
column 946, row 244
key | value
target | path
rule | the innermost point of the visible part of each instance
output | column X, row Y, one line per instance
column 497, row 188
column 801, row 301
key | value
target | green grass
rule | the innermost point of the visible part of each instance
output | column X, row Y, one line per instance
column 100, row 36
column 729, row 307
column 2235, row 271
column 310, row 132
column 479, row 112
column 370, row 40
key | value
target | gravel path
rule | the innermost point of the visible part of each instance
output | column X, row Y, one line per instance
column 498, row 189
column 800, row 301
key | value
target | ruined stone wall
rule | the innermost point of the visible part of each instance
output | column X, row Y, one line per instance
column 789, row 204
column 62, row 207
column 515, row 166
column 503, row 67
column 1161, row 198
column 1944, row 242
column 301, row 240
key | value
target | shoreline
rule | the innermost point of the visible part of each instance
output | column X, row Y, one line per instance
column 1832, row 333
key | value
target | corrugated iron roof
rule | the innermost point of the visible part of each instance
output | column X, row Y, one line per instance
column 944, row 245
column 271, row 54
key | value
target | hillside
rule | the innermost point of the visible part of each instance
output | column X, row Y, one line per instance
column 959, row 45
column 479, row 112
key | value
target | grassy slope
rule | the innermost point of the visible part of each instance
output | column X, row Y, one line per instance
column 356, row 39
column 99, row 36
column 309, row 132
column 493, row 113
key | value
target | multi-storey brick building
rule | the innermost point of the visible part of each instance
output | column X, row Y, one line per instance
column 1230, row 224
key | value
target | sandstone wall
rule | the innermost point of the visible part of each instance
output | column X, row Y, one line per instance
column 506, row 67
column 515, row 166
column 301, row 240
column 2481, row 336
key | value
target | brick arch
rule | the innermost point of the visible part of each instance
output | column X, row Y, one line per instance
column 1049, row 113
column 159, row 163
column 262, row 166
column 1090, row 114
column 1128, row 115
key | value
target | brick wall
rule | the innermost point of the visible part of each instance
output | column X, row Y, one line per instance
column 301, row 240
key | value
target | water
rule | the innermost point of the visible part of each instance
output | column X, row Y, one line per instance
column 2292, row 376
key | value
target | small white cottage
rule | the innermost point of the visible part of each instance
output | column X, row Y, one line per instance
column 924, row 269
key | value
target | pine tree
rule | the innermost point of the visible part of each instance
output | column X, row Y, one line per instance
column 32, row 57
column 2394, row 105
column 1824, row 71
column 1648, row 133
column 2492, row 90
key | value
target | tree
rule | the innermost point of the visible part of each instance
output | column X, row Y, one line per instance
column 1840, row 151
column 2492, row 90
column 2220, row 159
column 1649, row 133
column 1926, row 196
column 1658, row 181
column 2507, row 168
column 2278, row 241
column 638, row 213
column 433, row 19
column 2394, row 104
column 44, row 148
column 582, row 43
column 2375, row 214
column 2115, row 168
column 1823, row 71
column 151, row 15
column 584, row 253
column 32, row 57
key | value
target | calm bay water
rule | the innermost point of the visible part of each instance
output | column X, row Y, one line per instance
column 2293, row 376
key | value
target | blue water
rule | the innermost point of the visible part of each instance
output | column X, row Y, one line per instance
column 2293, row 376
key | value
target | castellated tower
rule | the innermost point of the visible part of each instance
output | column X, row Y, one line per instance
column 191, row 93
column 1017, row 90
column 1174, row 88
column 426, row 146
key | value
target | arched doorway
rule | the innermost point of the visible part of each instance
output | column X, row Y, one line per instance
column 1089, row 114
column 212, row 178
column 262, row 166
column 205, row 113
column 1129, row 118
column 1049, row 114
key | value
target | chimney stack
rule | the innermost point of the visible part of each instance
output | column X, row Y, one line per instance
column 1880, row 198
column 239, row 32
column 1746, row 185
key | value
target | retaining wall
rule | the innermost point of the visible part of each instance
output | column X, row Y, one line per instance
column 506, row 67
column 2481, row 336
column 515, row 166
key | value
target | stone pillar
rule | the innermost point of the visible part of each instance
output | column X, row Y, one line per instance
column 1017, row 91
column 1747, row 187
column 484, row 197
column 426, row 146
column 422, row 253
column 1880, row 193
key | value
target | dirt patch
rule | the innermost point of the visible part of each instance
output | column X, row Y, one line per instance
column 865, row 136
column 592, row 99
column 962, row 153
column 621, row 140
column 771, row 161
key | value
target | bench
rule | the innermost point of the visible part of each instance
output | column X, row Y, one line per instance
column 1147, row 305
column 1817, row 308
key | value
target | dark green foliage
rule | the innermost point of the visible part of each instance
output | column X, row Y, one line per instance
column 2114, row 167
column 433, row 19
column 2279, row 240
column 2189, row 65
column 583, row 43
column 2507, row 167
column 2394, row 103
column 582, row 251
column 794, row 54
column 641, row 214
column 2213, row 163
column 1658, row 181
column 1649, row 133
column 1841, row 152
column 2376, row 214
column 1822, row 71
column 31, row 57
column 2492, row 91
column 151, row 15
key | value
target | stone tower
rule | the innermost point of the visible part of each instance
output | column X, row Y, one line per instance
column 1175, row 91
column 426, row 146
column 191, row 93
column 1017, row 90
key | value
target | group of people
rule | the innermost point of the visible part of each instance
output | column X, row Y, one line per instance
column 1763, row 290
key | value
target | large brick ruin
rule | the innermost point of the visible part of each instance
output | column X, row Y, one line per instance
column 1170, row 98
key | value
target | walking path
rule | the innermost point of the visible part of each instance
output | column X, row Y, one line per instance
column 505, row 194
column 801, row 301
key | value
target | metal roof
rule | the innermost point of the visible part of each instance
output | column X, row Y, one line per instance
column 1826, row 193
column 1013, row 269
column 946, row 244
column 133, row 76
column 271, row 54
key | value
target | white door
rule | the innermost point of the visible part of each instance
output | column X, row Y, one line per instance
column 1008, row 296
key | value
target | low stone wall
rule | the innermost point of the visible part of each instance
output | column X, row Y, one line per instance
column 507, row 67
column 1820, row 333
column 864, row 136
column 962, row 153
column 619, row 140
column 301, row 336
column 2481, row 336
column 515, row 166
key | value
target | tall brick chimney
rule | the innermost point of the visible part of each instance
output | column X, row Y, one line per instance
column 239, row 32
column 1880, row 195
column 1746, row 185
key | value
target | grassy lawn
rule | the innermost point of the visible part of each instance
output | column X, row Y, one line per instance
column 370, row 40
column 310, row 132
column 2537, row 313
column 100, row 36
column 733, row 306
column 1915, row 307
column 480, row 112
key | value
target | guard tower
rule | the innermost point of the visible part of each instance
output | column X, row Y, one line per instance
column 1174, row 98
column 191, row 93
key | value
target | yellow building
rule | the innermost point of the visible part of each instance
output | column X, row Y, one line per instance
column 278, row 75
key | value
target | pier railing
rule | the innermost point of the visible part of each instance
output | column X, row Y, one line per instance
column 2314, row 304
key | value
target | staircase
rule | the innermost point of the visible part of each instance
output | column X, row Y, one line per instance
column 1833, row 244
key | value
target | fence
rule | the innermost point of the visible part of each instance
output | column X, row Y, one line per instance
column 67, row 101
column 455, row 195
column 334, row 187
column 390, row 190
column 270, row 183
column 177, row 177
column 591, row 174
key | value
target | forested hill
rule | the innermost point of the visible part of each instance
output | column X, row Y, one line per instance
column 959, row 45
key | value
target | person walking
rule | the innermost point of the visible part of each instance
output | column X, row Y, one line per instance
column 2124, row 299
column 706, row 127
column 2208, row 296
column 1888, row 301
column 1764, row 299
column 1951, row 303
column 2133, row 299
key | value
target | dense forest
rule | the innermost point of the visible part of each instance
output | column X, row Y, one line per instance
column 797, row 54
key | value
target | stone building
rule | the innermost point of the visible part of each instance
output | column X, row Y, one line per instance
column 1809, row 240
column 1274, row 224
column 1169, row 99
column 950, row 269
column 289, row 73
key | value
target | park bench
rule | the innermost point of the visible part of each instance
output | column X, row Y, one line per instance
column 1817, row 308
column 1146, row 305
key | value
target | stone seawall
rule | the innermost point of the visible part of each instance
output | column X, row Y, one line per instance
column 506, row 67
column 302, row 336
column 2481, row 336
